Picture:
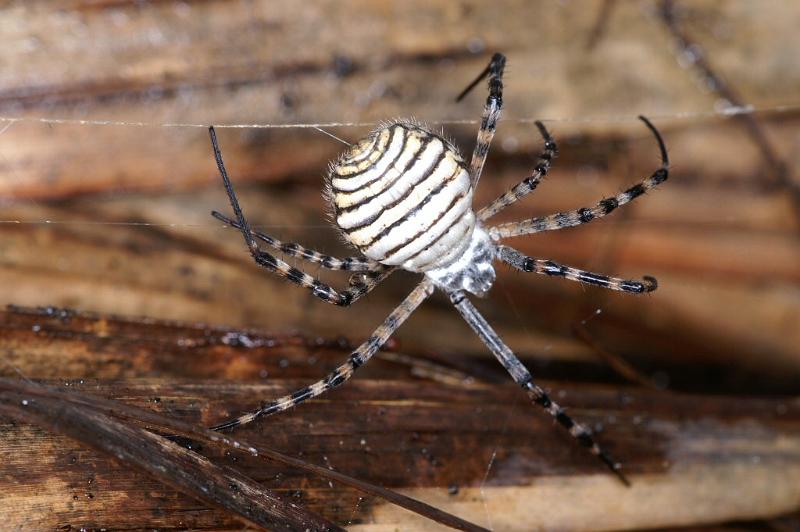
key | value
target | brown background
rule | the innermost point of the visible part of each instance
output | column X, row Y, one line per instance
column 130, row 232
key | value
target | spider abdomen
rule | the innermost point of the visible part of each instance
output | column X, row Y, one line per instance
column 403, row 197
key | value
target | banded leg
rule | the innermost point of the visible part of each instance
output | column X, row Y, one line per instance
column 585, row 215
column 521, row 262
column 529, row 184
column 522, row 376
column 491, row 113
column 342, row 373
column 359, row 287
column 351, row 264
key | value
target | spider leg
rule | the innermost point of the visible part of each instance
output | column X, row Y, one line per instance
column 358, row 288
column 585, row 215
column 529, row 184
column 342, row 373
column 521, row 262
column 522, row 376
column 351, row 264
column 491, row 113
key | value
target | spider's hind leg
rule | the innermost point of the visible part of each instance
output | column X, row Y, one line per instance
column 345, row 370
column 523, row 377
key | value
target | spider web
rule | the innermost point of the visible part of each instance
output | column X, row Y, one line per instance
column 722, row 109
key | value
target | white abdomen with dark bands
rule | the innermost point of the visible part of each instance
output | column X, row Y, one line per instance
column 403, row 197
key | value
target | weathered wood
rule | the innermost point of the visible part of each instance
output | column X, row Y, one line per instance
column 159, row 457
column 427, row 438
column 686, row 453
column 725, row 292
column 721, row 240
column 422, row 437
column 720, row 235
column 115, row 428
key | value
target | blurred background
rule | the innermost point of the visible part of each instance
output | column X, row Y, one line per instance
column 112, row 214
column 107, row 176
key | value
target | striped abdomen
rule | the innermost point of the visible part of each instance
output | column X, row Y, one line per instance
column 402, row 196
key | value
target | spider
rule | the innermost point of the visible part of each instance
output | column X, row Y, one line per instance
column 403, row 197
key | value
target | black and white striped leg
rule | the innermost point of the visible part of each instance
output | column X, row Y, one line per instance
column 351, row 264
column 521, row 262
column 342, row 373
column 522, row 376
column 585, row 215
column 529, row 184
column 360, row 284
column 491, row 113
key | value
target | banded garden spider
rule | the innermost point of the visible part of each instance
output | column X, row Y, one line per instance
column 403, row 197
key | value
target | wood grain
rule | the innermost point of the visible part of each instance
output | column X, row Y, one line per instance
column 114, row 219
column 464, row 447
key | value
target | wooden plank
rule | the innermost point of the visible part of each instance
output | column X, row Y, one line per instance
column 165, row 460
column 205, row 275
column 683, row 452
column 464, row 446
column 715, row 228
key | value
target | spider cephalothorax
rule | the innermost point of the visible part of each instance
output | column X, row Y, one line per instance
column 403, row 197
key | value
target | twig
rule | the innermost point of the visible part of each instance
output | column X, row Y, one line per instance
column 600, row 24
column 168, row 462
column 121, row 410
column 695, row 55
column 617, row 363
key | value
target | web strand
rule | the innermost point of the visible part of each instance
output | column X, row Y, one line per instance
column 722, row 111
column 6, row 122
column 153, row 224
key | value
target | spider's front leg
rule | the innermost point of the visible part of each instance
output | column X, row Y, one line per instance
column 491, row 113
column 529, row 184
column 373, row 274
column 587, row 214
column 523, row 377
